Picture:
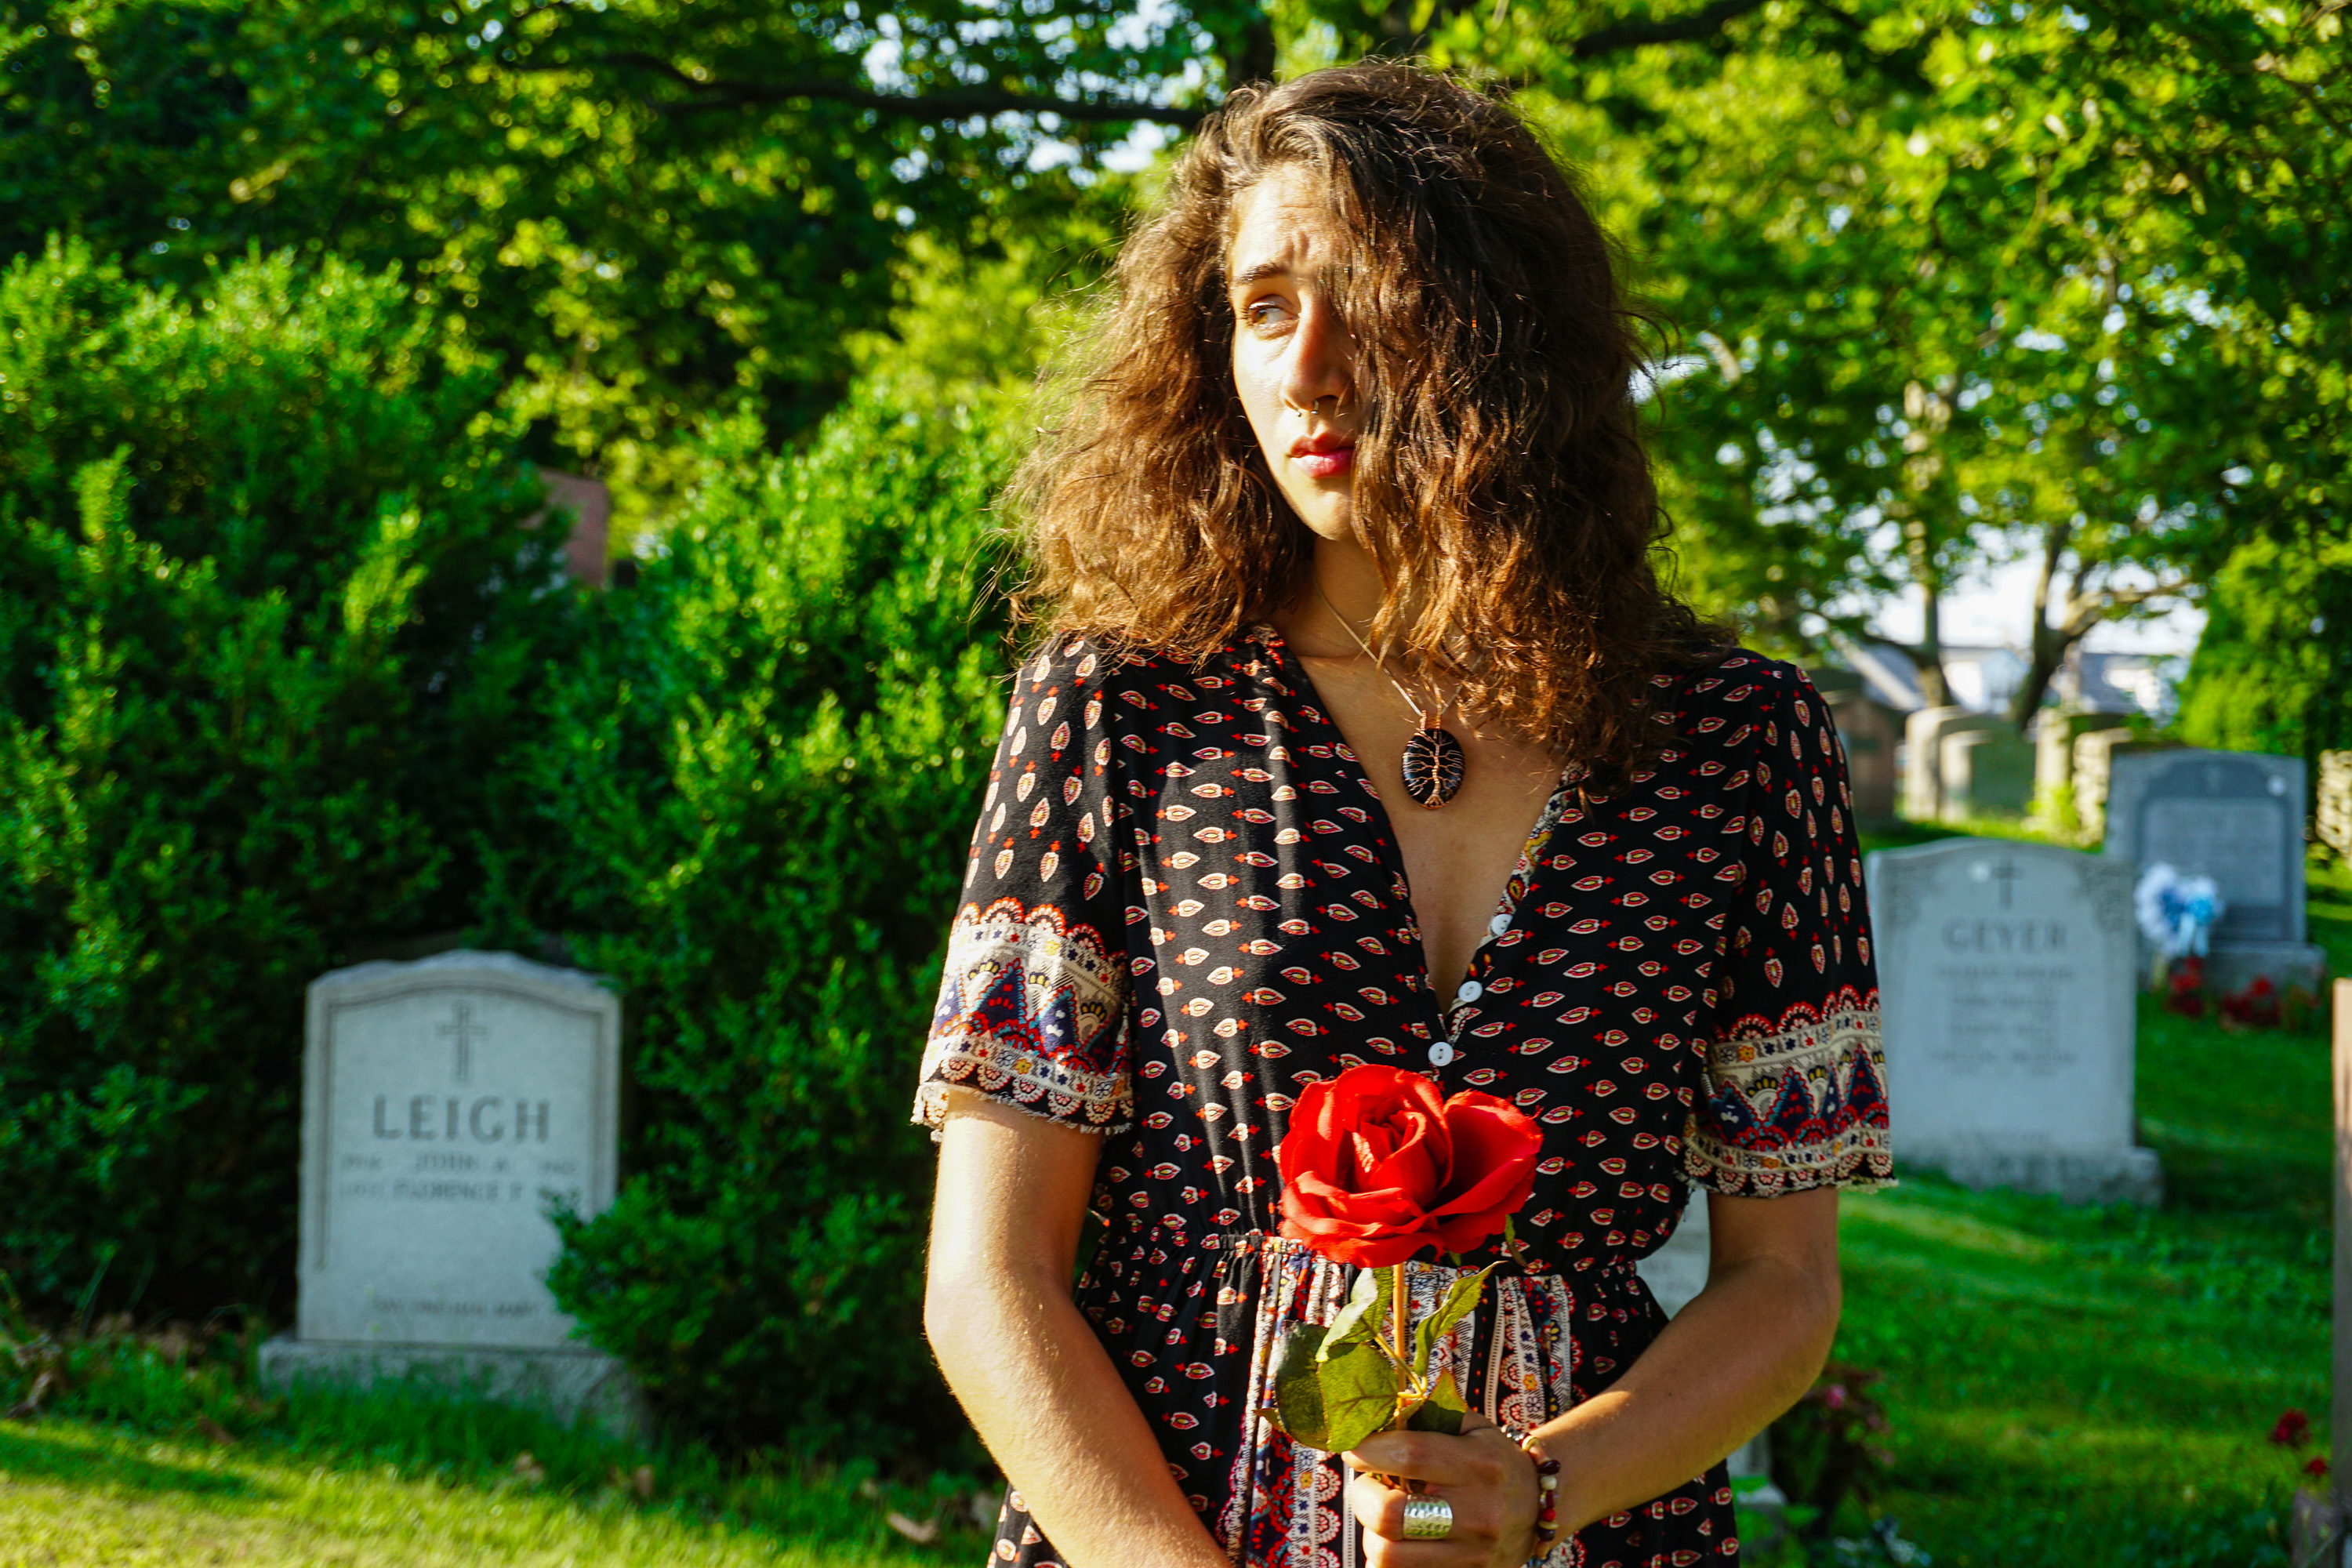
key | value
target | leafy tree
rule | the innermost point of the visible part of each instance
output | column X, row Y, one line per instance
column 2273, row 670
column 1961, row 281
column 633, row 215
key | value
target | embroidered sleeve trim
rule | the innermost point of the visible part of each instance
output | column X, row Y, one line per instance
column 1794, row 1107
column 1033, row 1010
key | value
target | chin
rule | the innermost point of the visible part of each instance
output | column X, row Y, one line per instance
column 1326, row 515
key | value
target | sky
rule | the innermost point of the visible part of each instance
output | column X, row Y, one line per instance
column 1998, row 612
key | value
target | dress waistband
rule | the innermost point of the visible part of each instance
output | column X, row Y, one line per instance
column 1265, row 1244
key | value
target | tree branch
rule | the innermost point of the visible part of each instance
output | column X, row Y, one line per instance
column 953, row 103
column 1704, row 22
column 969, row 103
column 2089, row 609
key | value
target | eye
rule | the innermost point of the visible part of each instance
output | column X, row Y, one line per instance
column 1267, row 313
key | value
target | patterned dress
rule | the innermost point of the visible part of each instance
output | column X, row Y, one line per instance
column 1184, row 903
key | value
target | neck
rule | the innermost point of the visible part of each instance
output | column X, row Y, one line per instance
column 1345, row 584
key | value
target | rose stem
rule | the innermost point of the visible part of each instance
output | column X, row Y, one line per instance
column 1404, row 1358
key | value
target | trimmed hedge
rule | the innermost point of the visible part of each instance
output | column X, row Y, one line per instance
column 766, row 773
column 287, row 679
column 271, row 615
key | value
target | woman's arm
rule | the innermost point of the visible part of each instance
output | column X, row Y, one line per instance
column 1737, row 1356
column 1742, row 1351
column 1025, row 1363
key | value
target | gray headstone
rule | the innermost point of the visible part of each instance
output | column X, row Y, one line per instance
column 445, row 1103
column 2235, row 816
column 1923, row 756
column 2332, row 813
column 1986, row 772
column 2095, row 755
column 2006, row 978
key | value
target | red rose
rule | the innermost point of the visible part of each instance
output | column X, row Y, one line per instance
column 2293, row 1430
column 1376, row 1167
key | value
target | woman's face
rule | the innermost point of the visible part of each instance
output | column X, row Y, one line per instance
column 1293, row 358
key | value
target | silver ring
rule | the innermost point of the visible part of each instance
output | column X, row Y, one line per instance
column 1428, row 1519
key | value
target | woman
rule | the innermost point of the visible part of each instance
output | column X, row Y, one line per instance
column 1359, row 471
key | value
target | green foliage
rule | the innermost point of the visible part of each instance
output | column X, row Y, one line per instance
column 635, row 215
column 2273, row 669
column 1958, row 282
column 272, row 612
column 765, row 773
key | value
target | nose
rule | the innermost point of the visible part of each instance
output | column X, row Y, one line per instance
column 1322, row 361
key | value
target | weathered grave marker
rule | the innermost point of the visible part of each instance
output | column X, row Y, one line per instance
column 2006, row 976
column 2095, row 755
column 2331, row 809
column 2055, row 739
column 1923, row 756
column 445, row 1103
column 2237, row 817
column 1986, row 773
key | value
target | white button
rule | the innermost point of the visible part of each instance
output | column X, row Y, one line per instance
column 1499, row 925
column 1440, row 1053
column 1471, row 991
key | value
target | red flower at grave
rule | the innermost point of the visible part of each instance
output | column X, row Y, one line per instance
column 2315, row 1467
column 2293, row 1430
column 2257, row 1003
column 1376, row 1167
column 2185, row 987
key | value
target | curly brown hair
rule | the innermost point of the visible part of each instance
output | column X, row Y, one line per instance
column 1500, row 482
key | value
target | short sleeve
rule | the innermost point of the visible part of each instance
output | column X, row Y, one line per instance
column 1033, row 1006
column 1796, row 1076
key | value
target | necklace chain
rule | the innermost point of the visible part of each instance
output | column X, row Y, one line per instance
column 1382, row 664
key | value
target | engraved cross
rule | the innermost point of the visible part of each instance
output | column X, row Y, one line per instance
column 462, row 1029
column 2005, row 873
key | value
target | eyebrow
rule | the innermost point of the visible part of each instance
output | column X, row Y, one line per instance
column 1258, row 274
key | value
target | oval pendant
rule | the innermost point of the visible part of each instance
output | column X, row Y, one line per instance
column 1434, row 760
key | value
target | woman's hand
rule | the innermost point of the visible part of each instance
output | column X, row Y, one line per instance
column 1488, row 1479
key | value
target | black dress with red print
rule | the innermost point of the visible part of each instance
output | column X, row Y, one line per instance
column 1184, row 903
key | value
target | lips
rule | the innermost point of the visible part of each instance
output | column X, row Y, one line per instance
column 1324, row 456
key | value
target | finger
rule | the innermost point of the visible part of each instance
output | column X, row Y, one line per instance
column 1469, row 1460
column 1419, row 1456
column 1379, row 1509
column 1380, row 1553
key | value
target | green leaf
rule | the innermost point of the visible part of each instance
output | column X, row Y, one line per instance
column 1457, row 1303
column 1359, row 1397
column 1298, row 1387
column 1359, row 1322
column 1442, row 1410
column 1331, row 1403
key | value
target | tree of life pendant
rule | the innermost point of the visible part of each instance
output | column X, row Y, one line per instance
column 1433, row 762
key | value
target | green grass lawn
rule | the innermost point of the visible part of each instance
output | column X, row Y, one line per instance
column 140, row 1471
column 2077, row 1387
column 74, row 1493
column 2097, row 1386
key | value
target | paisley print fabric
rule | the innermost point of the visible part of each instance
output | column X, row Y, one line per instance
column 1184, row 903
